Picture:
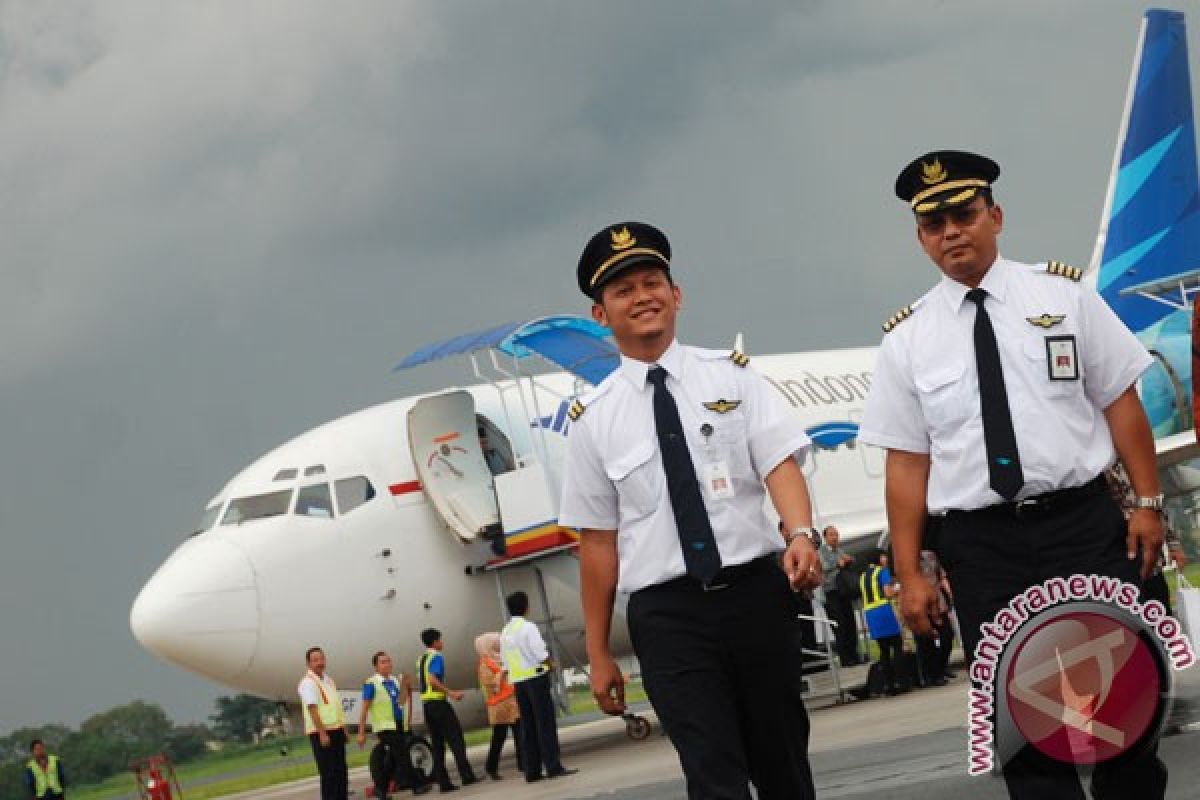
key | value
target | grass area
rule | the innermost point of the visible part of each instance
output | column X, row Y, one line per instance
column 262, row 765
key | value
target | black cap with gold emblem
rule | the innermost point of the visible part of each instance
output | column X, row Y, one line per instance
column 945, row 179
column 617, row 248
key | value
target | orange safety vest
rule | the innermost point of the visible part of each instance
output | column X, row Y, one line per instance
column 506, row 689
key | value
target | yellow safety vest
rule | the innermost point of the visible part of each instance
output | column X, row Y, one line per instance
column 46, row 779
column 518, row 670
column 383, row 717
column 875, row 598
column 428, row 692
column 329, row 709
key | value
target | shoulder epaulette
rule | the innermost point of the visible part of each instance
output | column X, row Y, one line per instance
column 898, row 317
column 1064, row 270
column 739, row 358
column 576, row 410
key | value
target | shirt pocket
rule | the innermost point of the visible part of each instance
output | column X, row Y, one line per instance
column 944, row 396
column 639, row 480
column 1039, row 370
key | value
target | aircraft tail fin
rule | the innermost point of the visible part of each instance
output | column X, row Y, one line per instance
column 1148, row 247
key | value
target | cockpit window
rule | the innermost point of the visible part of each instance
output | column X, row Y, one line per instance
column 315, row 469
column 209, row 518
column 259, row 506
column 353, row 492
column 286, row 474
column 314, row 502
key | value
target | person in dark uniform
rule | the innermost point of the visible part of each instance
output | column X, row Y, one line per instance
column 665, row 471
column 1000, row 397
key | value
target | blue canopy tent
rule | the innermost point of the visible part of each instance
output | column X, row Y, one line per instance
column 576, row 344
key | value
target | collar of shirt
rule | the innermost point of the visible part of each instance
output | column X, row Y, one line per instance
column 994, row 282
column 636, row 371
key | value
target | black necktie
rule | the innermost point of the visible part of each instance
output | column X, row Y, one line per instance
column 700, row 553
column 1004, row 462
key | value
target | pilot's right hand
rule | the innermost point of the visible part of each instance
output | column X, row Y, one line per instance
column 608, row 686
column 919, row 606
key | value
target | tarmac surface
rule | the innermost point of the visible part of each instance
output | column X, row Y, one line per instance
column 910, row 747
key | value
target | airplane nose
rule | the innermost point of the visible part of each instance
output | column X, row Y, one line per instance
column 200, row 609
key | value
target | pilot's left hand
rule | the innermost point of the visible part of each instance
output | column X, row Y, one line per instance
column 802, row 564
column 1146, row 531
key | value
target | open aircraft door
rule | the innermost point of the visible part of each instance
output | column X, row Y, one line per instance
column 445, row 448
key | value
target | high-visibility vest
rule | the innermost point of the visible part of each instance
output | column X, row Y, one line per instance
column 504, row 691
column 45, row 779
column 383, row 716
column 875, row 597
column 518, row 670
column 428, row 692
column 329, row 709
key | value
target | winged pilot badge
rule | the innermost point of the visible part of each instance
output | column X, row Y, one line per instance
column 723, row 406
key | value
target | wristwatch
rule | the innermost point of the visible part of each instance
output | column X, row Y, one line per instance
column 1154, row 503
column 812, row 534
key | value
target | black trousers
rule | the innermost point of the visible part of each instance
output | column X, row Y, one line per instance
column 401, row 764
column 499, row 734
column 840, row 609
column 991, row 556
column 933, row 652
column 724, row 676
column 331, row 764
column 539, row 728
column 890, row 648
column 445, row 730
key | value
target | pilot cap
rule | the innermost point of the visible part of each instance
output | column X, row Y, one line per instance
column 617, row 248
column 945, row 179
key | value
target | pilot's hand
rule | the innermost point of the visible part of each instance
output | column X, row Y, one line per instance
column 457, row 695
column 802, row 564
column 919, row 606
column 362, row 739
column 608, row 686
column 323, row 738
column 1146, row 529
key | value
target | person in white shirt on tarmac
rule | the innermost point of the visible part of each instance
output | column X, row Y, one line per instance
column 325, row 724
column 666, row 464
column 527, row 660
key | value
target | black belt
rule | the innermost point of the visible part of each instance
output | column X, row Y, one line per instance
column 1042, row 503
column 725, row 577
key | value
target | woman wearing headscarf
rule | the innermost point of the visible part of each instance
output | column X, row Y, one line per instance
column 501, row 700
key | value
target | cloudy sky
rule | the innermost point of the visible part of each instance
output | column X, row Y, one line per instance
column 223, row 223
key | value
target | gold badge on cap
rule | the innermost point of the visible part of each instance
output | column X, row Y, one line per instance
column 933, row 173
column 723, row 406
column 1046, row 320
column 623, row 239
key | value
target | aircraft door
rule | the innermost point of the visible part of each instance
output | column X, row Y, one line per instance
column 445, row 448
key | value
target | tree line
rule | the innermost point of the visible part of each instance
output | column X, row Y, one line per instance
column 106, row 743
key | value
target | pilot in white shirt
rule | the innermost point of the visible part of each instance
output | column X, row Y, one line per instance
column 1001, row 397
column 735, row 425
column 665, row 470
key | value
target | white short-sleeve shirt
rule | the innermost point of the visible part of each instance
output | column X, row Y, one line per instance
column 1065, row 355
column 525, row 638
column 614, row 478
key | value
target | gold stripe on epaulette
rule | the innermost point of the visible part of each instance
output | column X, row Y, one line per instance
column 1064, row 270
column 576, row 410
column 897, row 318
column 739, row 358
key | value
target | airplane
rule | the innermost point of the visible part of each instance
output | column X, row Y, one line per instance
column 360, row 533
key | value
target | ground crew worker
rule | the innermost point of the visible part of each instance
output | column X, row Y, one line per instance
column 667, row 459
column 383, row 697
column 1000, row 396
column 325, row 724
column 876, row 587
column 528, row 663
column 500, row 696
column 443, row 724
column 44, row 773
